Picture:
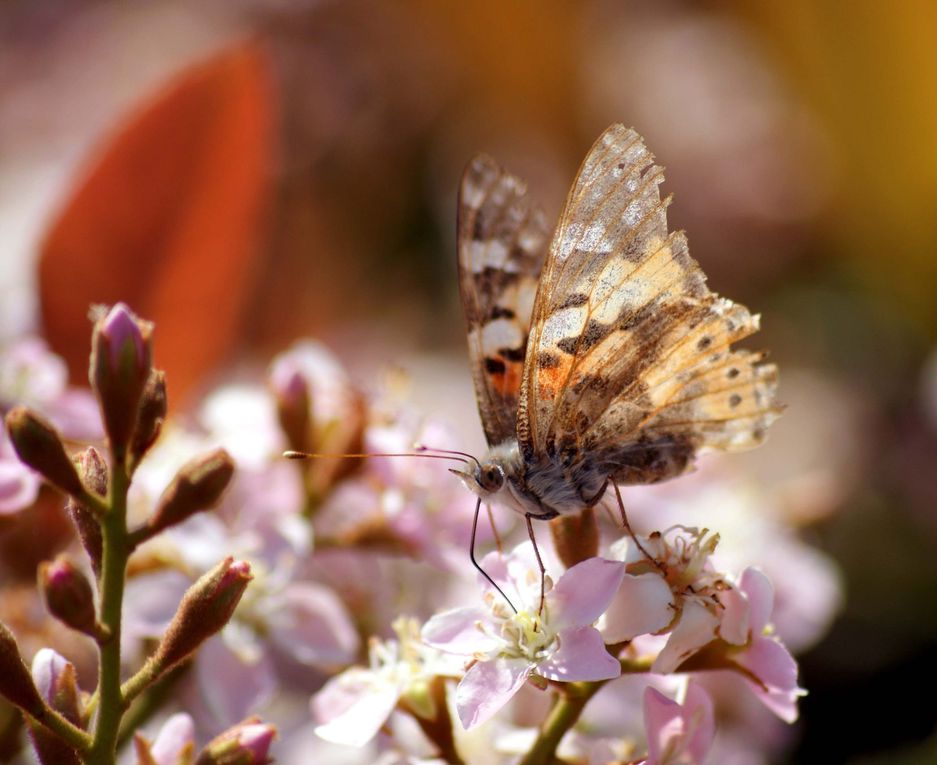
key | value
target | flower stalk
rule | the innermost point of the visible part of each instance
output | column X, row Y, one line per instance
column 113, row 579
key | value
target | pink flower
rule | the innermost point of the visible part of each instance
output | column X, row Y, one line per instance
column 706, row 611
column 682, row 594
column 32, row 375
column 678, row 734
column 558, row 643
column 247, row 743
column 765, row 662
column 353, row 706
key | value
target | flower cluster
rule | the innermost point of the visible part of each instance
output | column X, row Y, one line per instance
column 66, row 725
column 621, row 652
column 605, row 616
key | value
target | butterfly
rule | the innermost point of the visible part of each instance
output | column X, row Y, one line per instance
column 599, row 355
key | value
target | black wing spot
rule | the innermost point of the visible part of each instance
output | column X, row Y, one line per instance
column 568, row 345
column 500, row 312
column 704, row 343
column 594, row 332
column 732, row 373
column 513, row 354
column 493, row 281
column 547, row 360
column 575, row 300
column 734, row 400
column 494, row 366
column 478, row 228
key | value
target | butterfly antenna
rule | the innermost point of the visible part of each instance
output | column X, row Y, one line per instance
column 475, row 562
column 425, row 448
column 295, row 455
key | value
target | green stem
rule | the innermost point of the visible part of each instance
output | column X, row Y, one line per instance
column 148, row 674
column 149, row 703
column 113, row 577
column 569, row 704
column 562, row 717
column 71, row 734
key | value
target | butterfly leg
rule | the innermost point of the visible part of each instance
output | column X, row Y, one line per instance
column 494, row 529
column 475, row 562
column 630, row 532
column 543, row 571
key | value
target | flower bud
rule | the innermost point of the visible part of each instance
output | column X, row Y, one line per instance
column 121, row 349
column 174, row 744
column 93, row 471
column 153, row 406
column 38, row 445
column 205, row 609
column 197, row 486
column 246, row 743
column 16, row 684
column 68, row 595
column 293, row 398
column 56, row 681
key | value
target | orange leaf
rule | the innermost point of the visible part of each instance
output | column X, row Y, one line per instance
column 170, row 219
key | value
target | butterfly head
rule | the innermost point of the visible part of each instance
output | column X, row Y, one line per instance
column 490, row 474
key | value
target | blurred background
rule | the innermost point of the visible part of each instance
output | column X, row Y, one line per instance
column 251, row 171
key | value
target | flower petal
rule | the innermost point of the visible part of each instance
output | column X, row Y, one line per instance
column 760, row 593
column 308, row 622
column 352, row 707
column 19, row 486
column 678, row 733
column 487, row 687
column 642, row 605
column 696, row 628
column 583, row 593
column 580, row 656
column 698, row 711
column 457, row 631
column 230, row 685
column 771, row 662
column 734, row 625
column 176, row 735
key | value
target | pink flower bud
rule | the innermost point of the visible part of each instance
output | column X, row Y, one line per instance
column 120, row 367
column 246, row 743
column 197, row 486
column 205, row 609
column 38, row 445
column 93, row 472
column 16, row 684
column 153, row 406
column 293, row 399
column 68, row 595
column 174, row 745
column 57, row 683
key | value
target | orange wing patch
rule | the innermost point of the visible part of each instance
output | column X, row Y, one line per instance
column 502, row 240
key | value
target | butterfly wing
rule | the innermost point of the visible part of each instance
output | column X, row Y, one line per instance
column 502, row 240
column 629, row 358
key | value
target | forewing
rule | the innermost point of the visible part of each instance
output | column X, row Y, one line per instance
column 502, row 239
column 627, row 342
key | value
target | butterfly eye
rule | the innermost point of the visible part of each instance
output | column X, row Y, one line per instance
column 491, row 478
